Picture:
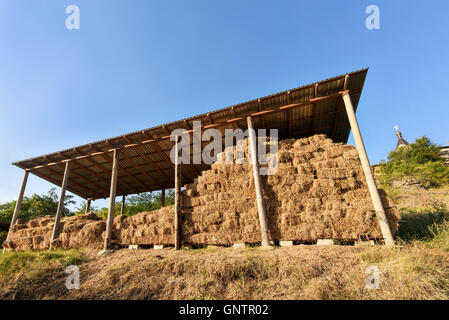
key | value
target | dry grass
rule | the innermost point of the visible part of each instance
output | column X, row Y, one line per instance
column 417, row 270
column 32, row 274
column 300, row 272
column 418, row 198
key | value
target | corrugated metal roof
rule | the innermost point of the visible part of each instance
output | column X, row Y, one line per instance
column 145, row 166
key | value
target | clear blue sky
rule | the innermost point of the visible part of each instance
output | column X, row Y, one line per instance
column 137, row 64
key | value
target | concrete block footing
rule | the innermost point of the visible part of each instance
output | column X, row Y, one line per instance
column 105, row 252
column 325, row 242
column 158, row 247
column 239, row 245
column 286, row 243
column 133, row 246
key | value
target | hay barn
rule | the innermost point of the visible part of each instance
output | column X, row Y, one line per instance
column 323, row 188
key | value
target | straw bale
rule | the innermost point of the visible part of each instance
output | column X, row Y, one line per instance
column 318, row 192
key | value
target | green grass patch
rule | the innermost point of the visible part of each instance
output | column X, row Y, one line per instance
column 440, row 235
column 424, row 224
column 29, row 261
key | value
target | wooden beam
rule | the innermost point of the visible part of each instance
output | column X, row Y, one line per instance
column 58, row 216
column 214, row 125
column 147, row 157
column 18, row 206
column 157, row 163
column 103, row 169
column 159, row 149
column 105, row 156
column 163, row 154
column 234, row 125
column 314, row 110
column 166, row 129
column 289, row 114
column 210, row 117
column 377, row 202
column 177, row 219
column 261, row 209
column 122, row 209
column 87, row 169
column 111, row 209
column 263, row 113
column 141, row 170
column 308, row 102
column 88, row 205
column 89, row 181
column 57, row 182
column 195, row 139
column 259, row 105
column 235, row 120
column 340, row 106
column 89, row 191
column 92, row 192
column 296, row 133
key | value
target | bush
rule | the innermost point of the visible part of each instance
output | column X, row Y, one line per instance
column 421, row 161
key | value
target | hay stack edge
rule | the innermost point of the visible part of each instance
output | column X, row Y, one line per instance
column 318, row 192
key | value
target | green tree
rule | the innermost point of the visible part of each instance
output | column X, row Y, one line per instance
column 147, row 201
column 420, row 161
column 81, row 208
column 36, row 205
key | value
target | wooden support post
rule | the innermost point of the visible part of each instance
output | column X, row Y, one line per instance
column 177, row 198
column 378, row 207
column 122, row 209
column 258, row 184
column 88, row 205
column 112, row 194
column 65, row 179
column 163, row 198
column 16, row 213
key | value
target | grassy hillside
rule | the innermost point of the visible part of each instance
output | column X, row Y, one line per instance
column 302, row 272
column 418, row 268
